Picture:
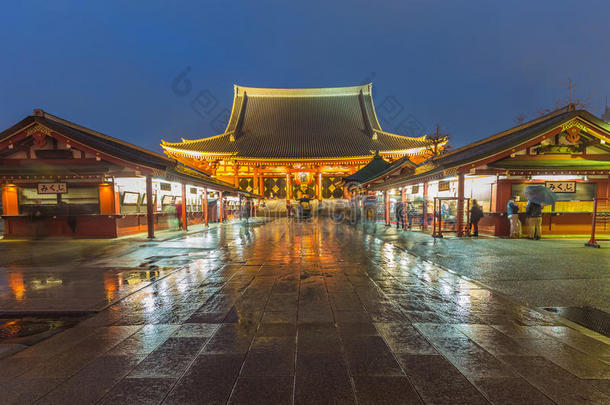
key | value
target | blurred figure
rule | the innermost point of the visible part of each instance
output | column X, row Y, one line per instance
column 38, row 220
column 410, row 213
column 534, row 219
column 476, row 213
column 399, row 209
column 247, row 210
column 178, row 208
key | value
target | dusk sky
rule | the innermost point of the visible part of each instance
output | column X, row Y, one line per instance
column 471, row 66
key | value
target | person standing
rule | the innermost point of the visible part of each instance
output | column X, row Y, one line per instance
column 512, row 211
column 534, row 219
column 476, row 213
column 399, row 208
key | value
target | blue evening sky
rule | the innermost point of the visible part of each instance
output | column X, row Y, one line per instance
column 472, row 66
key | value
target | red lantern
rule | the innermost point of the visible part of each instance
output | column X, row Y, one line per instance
column 303, row 178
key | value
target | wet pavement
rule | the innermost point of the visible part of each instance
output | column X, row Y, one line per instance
column 550, row 272
column 302, row 313
column 59, row 275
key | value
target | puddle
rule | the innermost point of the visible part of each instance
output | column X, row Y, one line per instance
column 30, row 329
column 589, row 317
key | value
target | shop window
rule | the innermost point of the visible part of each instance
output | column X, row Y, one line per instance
column 130, row 202
column 77, row 200
column 28, row 196
column 578, row 198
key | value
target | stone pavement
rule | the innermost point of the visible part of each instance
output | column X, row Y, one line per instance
column 56, row 275
column 302, row 313
column 545, row 273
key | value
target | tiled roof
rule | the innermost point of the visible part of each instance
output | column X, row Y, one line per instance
column 301, row 123
column 499, row 143
column 372, row 169
column 112, row 147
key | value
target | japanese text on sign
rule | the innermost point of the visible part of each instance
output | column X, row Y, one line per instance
column 52, row 188
column 561, row 186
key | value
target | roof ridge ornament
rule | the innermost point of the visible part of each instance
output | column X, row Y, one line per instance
column 365, row 117
column 240, row 117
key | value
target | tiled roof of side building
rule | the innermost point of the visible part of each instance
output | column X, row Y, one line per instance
column 301, row 123
column 515, row 136
column 96, row 140
column 378, row 167
column 113, row 147
column 504, row 141
column 372, row 169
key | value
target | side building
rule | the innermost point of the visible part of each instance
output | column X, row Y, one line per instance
column 62, row 179
column 567, row 150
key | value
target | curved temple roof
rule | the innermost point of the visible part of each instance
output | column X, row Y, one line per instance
column 300, row 123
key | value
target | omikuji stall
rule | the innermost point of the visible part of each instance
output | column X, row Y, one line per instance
column 61, row 179
column 568, row 151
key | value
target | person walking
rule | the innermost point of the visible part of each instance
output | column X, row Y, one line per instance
column 399, row 208
column 534, row 219
column 512, row 211
column 410, row 214
column 476, row 213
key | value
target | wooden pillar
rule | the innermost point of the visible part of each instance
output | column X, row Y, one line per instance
column 425, row 213
column 460, row 205
column 403, row 198
column 318, row 184
column 261, row 183
column 205, row 206
column 220, row 207
column 236, row 176
column 288, row 186
column 386, row 202
column 150, row 219
column 183, row 213
column 255, row 184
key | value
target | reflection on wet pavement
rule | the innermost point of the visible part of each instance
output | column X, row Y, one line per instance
column 88, row 275
column 304, row 314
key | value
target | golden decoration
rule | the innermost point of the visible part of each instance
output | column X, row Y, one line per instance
column 38, row 128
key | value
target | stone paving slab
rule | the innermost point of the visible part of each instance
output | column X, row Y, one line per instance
column 546, row 273
column 312, row 313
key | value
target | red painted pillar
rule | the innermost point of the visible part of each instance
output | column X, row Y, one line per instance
column 220, row 207
column 425, row 213
column 460, row 205
column 183, row 214
column 150, row 219
column 386, row 200
column 403, row 198
column 205, row 206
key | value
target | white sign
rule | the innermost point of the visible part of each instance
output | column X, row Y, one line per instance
column 52, row 188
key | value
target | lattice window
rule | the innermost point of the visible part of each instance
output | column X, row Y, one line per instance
column 246, row 184
column 332, row 187
column 275, row 187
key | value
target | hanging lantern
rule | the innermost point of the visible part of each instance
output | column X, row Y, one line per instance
column 303, row 178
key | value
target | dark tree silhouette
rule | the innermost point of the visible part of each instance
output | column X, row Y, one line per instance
column 438, row 142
